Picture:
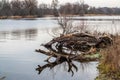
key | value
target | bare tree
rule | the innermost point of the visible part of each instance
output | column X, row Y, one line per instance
column 41, row 10
column 0, row 5
column 5, row 9
column 55, row 5
column 16, row 7
column 31, row 6
column 82, row 5
column 66, row 25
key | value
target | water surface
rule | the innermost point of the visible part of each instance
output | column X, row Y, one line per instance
column 20, row 38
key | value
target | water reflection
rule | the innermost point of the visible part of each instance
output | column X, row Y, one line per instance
column 59, row 61
column 2, row 78
column 22, row 51
column 28, row 34
column 85, row 71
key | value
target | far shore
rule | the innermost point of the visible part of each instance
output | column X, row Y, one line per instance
column 32, row 17
column 18, row 17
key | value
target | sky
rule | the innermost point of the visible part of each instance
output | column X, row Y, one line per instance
column 96, row 3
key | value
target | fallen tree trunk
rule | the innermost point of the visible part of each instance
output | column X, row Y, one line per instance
column 79, row 57
column 73, row 47
column 60, row 58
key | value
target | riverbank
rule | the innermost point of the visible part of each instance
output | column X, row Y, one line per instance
column 109, row 66
column 35, row 16
column 18, row 17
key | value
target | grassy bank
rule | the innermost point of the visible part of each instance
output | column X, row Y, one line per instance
column 109, row 67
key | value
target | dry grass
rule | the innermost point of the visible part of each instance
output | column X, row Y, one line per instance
column 110, row 62
column 3, row 17
column 112, row 54
column 15, row 17
column 18, row 17
column 30, row 16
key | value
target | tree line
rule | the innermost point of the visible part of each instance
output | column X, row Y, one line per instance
column 31, row 7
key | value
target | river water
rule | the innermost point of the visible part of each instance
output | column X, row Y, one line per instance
column 20, row 38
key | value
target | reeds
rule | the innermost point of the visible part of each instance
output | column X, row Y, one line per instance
column 110, row 62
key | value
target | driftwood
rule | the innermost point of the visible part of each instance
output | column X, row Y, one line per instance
column 77, row 42
column 2, row 78
column 73, row 47
column 60, row 58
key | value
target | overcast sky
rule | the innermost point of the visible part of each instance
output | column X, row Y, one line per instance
column 97, row 3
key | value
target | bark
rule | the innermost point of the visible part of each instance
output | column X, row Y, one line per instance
column 73, row 47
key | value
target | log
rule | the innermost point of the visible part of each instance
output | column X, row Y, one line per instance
column 77, row 42
column 78, row 57
column 66, row 47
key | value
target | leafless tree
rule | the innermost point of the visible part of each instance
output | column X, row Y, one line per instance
column 5, row 9
column 31, row 6
column 16, row 7
column 82, row 5
column 54, row 6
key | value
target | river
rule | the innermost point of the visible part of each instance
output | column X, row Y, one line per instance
column 20, row 38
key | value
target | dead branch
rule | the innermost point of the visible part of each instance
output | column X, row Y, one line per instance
column 65, row 48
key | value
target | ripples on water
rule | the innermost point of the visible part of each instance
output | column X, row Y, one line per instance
column 20, row 38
